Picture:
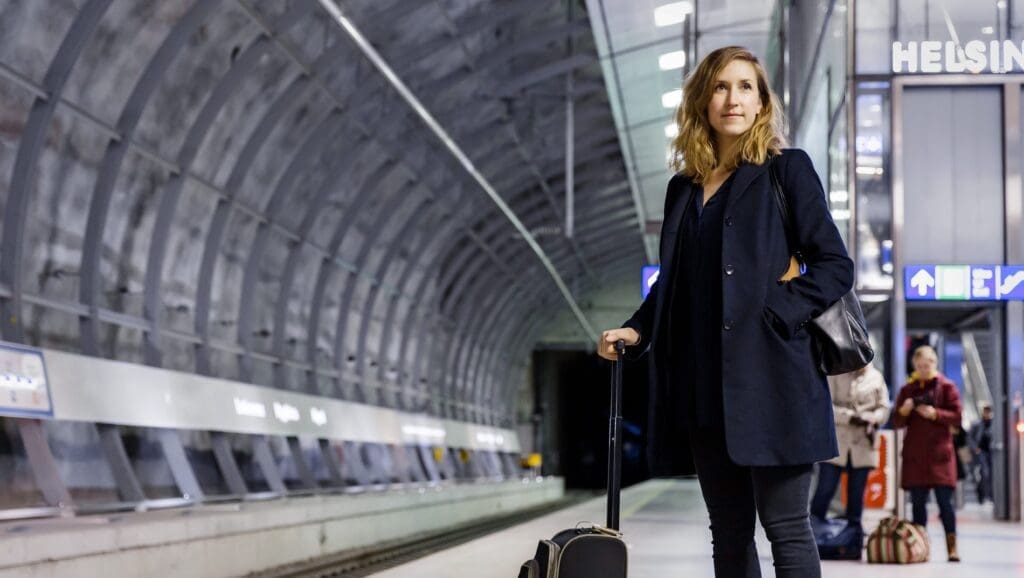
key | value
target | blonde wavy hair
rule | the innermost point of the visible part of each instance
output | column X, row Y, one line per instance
column 693, row 151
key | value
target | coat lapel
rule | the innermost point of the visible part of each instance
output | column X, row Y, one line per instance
column 674, row 222
column 745, row 174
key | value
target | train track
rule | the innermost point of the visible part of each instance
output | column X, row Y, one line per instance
column 364, row 562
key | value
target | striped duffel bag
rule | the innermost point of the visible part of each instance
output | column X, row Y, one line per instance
column 897, row 541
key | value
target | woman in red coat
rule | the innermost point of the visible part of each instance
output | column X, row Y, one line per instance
column 929, row 406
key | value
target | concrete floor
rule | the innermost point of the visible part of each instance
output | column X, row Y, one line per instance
column 666, row 530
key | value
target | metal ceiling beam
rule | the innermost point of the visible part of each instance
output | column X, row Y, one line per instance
column 526, row 79
column 292, row 97
column 489, row 18
column 374, row 57
column 30, row 149
column 90, row 288
column 326, row 126
column 509, row 124
column 153, row 305
column 533, row 41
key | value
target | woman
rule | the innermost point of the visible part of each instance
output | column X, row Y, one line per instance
column 735, row 373
column 928, row 407
column 860, row 403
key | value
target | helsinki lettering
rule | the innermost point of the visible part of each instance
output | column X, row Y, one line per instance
column 976, row 56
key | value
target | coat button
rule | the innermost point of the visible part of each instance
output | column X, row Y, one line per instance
column 727, row 325
column 729, row 270
column 728, row 221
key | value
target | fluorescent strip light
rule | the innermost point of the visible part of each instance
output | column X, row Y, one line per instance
column 672, row 60
column 839, row 196
column 673, row 13
column 671, row 130
column 870, row 170
column 672, row 98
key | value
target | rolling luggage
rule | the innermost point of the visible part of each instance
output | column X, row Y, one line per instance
column 595, row 551
column 837, row 540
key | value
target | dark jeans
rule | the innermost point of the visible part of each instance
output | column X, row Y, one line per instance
column 735, row 495
column 984, row 478
column 828, row 481
column 944, row 496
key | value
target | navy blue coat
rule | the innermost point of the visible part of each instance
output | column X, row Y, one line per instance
column 777, row 406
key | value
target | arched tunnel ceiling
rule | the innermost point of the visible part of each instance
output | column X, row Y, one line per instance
column 230, row 187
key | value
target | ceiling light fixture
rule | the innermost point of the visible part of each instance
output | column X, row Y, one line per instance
column 671, row 130
column 672, row 98
column 673, row 13
column 672, row 60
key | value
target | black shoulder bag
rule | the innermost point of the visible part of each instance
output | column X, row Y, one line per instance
column 839, row 334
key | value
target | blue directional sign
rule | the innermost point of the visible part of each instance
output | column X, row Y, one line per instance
column 964, row 282
column 647, row 279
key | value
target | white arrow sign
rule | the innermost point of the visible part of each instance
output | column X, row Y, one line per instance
column 1010, row 283
column 921, row 281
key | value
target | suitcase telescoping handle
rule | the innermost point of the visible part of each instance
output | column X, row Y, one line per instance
column 615, row 439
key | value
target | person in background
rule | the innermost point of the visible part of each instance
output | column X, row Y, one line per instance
column 929, row 406
column 980, row 441
column 860, row 403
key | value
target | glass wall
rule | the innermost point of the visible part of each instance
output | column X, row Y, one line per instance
column 818, row 58
column 874, row 196
column 958, row 21
column 874, row 36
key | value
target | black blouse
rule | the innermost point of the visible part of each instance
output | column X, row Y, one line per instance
column 695, row 322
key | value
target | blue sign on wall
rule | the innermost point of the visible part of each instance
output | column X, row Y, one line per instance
column 964, row 282
column 647, row 279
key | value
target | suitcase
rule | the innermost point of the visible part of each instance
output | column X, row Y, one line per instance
column 590, row 551
column 837, row 540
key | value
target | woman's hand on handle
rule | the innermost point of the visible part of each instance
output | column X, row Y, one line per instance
column 606, row 348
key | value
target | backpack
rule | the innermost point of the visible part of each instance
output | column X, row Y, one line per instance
column 897, row 541
column 838, row 540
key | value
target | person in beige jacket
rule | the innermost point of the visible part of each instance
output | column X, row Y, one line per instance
column 860, row 402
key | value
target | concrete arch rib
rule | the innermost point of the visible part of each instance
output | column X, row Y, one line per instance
column 456, row 310
column 368, row 308
column 326, row 127
column 460, row 276
column 466, row 268
column 515, row 347
column 484, row 296
column 374, row 175
column 533, row 217
column 32, row 141
column 432, row 245
column 113, row 157
column 292, row 97
column 331, row 183
column 416, row 319
column 385, row 212
column 153, row 294
column 374, row 57
column 515, row 301
column 500, row 320
column 489, row 324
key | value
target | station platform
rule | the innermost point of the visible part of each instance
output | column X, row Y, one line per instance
column 666, row 530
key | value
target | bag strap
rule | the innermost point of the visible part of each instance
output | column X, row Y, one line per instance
column 784, row 211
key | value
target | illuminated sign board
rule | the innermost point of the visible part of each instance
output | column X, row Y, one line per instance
column 24, row 387
column 647, row 278
column 975, row 56
column 964, row 282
